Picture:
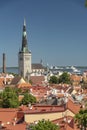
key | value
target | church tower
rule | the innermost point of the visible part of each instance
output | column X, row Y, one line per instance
column 24, row 56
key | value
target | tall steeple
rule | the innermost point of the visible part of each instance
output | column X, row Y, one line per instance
column 24, row 39
column 24, row 57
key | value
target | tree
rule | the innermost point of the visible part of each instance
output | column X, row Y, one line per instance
column 18, row 91
column 64, row 78
column 9, row 98
column 53, row 79
column 44, row 125
column 81, row 119
column 28, row 98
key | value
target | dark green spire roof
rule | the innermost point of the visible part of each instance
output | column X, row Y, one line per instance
column 24, row 39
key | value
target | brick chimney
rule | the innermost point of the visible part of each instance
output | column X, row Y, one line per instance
column 4, row 63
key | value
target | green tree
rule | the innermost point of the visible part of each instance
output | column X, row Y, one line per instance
column 28, row 98
column 44, row 125
column 64, row 78
column 53, row 79
column 9, row 98
column 18, row 90
column 81, row 119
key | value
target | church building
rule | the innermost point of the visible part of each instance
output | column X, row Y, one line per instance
column 26, row 68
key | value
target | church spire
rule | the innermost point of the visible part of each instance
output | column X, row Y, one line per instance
column 24, row 39
column 24, row 22
column 24, row 56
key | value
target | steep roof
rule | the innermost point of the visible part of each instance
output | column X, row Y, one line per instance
column 37, row 66
column 72, row 106
column 17, row 80
column 21, row 81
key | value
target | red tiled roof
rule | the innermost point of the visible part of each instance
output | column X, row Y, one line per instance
column 16, row 127
column 37, row 79
column 72, row 106
column 1, row 82
column 39, row 91
column 60, row 87
column 23, row 85
column 68, row 123
column 43, row 109
column 7, row 114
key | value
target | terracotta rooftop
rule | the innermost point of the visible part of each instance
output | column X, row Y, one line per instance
column 65, row 123
column 9, row 118
column 73, row 106
column 39, row 91
column 23, row 85
column 60, row 87
column 37, row 79
column 38, row 108
column 15, row 126
column 42, row 109
column 7, row 114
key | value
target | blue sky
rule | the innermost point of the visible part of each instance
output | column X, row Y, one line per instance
column 56, row 31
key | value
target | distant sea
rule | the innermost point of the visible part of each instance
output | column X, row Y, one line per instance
column 59, row 68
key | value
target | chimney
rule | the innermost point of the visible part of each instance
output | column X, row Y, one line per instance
column 4, row 63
